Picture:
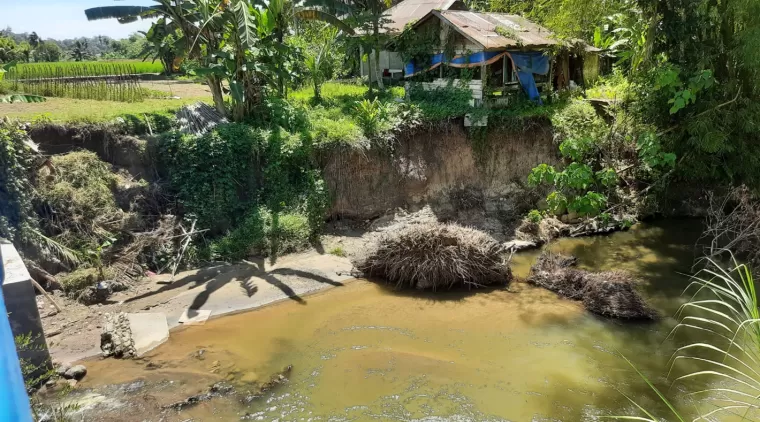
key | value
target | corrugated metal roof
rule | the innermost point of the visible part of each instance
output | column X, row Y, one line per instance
column 411, row 10
column 481, row 28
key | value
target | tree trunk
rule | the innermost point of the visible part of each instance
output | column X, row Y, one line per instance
column 216, row 92
column 317, row 93
column 378, row 73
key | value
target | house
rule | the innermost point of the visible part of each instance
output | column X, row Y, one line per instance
column 503, row 52
column 394, row 21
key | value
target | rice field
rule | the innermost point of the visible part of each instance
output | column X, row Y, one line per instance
column 91, row 81
column 71, row 68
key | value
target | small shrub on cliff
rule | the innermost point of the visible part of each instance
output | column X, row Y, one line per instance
column 264, row 233
column 436, row 255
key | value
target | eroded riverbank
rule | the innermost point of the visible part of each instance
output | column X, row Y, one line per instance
column 364, row 351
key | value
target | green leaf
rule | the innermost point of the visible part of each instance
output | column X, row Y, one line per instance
column 22, row 98
column 246, row 28
column 237, row 91
column 122, row 13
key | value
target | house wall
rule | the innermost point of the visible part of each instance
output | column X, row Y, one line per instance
column 388, row 60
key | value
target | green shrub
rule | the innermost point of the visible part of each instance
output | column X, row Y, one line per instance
column 578, row 120
column 77, row 281
column 371, row 116
column 441, row 103
column 534, row 216
column 214, row 175
column 247, row 239
column 263, row 232
column 332, row 125
column 338, row 251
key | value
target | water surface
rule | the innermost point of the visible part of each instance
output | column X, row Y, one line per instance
column 366, row 352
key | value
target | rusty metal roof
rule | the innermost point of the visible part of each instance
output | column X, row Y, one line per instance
column 481, row 28
column 411, row 10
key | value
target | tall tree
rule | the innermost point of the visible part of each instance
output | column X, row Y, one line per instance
column 80, row 50
column 34, row 40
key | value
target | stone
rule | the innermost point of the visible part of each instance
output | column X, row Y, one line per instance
column 116, row 337
column 75, row 372
column 72, row 383
column 61, row 370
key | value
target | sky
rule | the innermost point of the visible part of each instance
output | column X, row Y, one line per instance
column 62, row 19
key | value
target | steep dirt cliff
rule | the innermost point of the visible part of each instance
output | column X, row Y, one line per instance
column 446, row 167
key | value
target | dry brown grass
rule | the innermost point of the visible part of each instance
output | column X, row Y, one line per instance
column 436, row 255
column 609, row 293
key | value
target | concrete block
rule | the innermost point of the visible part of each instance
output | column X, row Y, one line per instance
column 149, row 330
column 21, row 304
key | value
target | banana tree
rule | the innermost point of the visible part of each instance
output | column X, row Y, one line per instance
column 198, row 23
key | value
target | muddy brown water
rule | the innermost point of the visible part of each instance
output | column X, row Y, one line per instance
column 366, row 352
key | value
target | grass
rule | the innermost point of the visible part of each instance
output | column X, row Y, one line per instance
column 103, row 67
column 338, row 251
column 89, row 111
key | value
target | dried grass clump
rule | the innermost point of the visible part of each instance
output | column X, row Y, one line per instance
column 435, row 255
column 613, row 294
column 79, row 192
column 608, row 293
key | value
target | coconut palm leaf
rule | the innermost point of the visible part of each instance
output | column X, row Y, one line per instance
column 124, row 14
column 318, row 15
column 60, row 250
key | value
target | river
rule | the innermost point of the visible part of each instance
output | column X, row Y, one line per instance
column 366, row 352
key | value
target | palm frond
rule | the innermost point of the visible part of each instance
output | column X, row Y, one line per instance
column 122, row 13
column 61, row 251
column 318, row 15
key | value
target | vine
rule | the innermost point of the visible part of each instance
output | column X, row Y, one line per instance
column 17, row 216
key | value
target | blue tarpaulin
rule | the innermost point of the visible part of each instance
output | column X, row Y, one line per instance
column 14, row 403
column 526, row 65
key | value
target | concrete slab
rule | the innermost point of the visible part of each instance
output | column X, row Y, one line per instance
column 149, row 330
column 194, row 317
column 21, row 304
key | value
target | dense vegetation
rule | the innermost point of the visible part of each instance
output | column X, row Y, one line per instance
column 681, row 109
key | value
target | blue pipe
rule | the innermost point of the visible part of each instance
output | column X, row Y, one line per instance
column 14, row 403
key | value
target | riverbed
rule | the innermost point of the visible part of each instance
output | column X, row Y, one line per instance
column 363, row 351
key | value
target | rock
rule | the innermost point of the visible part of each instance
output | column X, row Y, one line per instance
column 61, row 370
column 75, row 372
column 72, row 383
column 116, row 337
